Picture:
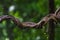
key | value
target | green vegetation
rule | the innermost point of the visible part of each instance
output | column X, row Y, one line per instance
column 25, row 10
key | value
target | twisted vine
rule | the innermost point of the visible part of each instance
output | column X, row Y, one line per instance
column 40, row 24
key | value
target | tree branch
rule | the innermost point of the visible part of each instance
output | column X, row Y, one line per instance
column 40, row 24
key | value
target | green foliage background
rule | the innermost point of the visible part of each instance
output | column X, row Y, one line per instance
column 26, row 10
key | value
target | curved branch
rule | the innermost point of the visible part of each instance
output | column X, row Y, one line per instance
column 40, row 24
column 15, row 20
column 27, row 24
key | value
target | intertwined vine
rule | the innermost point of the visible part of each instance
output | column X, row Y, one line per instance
column 54, row 16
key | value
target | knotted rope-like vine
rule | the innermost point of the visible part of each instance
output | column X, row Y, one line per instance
column 55, row 16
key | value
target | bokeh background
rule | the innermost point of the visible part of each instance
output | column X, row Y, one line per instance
column 25, row 10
